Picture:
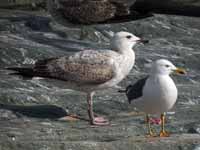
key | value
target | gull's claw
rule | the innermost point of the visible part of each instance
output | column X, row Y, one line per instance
column 164, row 134
column 99, row 121
column 151, row 133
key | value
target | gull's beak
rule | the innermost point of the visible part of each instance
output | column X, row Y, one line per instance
column 179, row 71
column 144, row 41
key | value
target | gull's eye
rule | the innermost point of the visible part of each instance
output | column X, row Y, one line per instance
column 167, row 66
column 128, row 36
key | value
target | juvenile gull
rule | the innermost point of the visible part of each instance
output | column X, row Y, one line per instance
column 156, row 93
column 84, row 13
column 87, row 11
column 89, row 70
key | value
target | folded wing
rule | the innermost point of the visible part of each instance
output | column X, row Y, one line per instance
column 135, row 91
column 87, row 67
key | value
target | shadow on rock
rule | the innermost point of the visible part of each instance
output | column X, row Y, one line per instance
column 37, row 111
column 174, row 7
column 38, row 23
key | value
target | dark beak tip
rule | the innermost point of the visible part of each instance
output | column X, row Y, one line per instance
column 184, row 72
column 144, row 41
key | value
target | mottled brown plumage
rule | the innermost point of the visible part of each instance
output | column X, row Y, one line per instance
column 80, row 71
column 89, row 70
column 87, row 11
column 80, row 68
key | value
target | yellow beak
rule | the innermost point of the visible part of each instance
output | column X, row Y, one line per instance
column 180, row 71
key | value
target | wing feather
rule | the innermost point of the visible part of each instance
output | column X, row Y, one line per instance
column 89, row 67
column 135, row 91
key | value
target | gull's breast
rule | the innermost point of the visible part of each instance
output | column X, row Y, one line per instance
column 160, row 94
column 122, row 65
column 126, row 63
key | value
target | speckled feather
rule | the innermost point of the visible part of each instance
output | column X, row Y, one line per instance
column 88, row 67
column 86, row 11
column 88, row 70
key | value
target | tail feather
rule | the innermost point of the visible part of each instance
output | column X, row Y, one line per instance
column 25, row 72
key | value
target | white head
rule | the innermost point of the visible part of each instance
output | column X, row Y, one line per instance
column 123, row 41
column 165, row 67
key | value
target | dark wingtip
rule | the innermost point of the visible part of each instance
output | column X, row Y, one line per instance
column 13, row 68
column 8, row 68
column 26, row 73
column 122, row 91
column 129, row 101
column 1, row 104
column 13, row 74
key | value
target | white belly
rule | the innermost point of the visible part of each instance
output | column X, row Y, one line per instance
column 159, row 95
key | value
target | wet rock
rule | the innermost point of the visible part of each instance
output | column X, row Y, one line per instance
column 192, row 130
column 38, row 111
column 38, row 23
column 195, row 128
column 25, row 124
column 7, row 115
column 177, row 7
column 23, row 4
column 197, row 147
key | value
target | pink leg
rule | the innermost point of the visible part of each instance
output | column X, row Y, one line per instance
column 155, row 121
column 100, row 121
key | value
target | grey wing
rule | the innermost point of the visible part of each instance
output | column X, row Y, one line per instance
column 80, row 68
column 135, row 91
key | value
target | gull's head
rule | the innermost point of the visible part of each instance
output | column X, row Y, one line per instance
column 122, row 41
column 165, row 67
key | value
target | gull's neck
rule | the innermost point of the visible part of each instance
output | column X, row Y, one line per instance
column 123, row 49
column 155, row 74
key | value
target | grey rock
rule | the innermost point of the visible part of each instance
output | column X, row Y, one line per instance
column 176, row 38
column 38, row 23
column 37, row 111
column 178, row 7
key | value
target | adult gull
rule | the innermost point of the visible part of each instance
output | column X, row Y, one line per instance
column 156, row 93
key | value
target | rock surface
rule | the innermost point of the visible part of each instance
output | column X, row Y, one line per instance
column 178, row 7
column 30, row 110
